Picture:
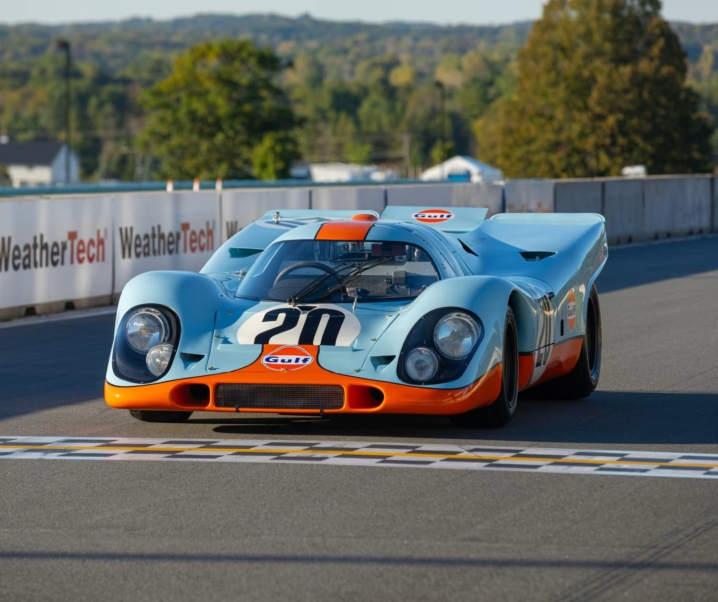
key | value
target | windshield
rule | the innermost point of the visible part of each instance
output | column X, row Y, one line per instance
column 339, row 271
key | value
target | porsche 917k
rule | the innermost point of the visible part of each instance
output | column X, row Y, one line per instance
column 422, row 311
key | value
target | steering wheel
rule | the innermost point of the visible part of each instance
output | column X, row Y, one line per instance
column 305, row 264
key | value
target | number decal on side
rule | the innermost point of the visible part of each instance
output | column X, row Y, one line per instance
column 545, row 337
column 287, row 325
column 546, row 332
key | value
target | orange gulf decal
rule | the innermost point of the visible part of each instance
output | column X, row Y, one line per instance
column 571, row 310
column 344, row 230
column 287, row 358
column 563, row 359
column 433, row 216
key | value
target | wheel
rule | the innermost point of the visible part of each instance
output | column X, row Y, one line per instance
column 503, row 409
column 160, row 416
column 583, row 379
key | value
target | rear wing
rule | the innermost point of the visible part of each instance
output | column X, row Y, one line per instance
column 445, row 219
column 280, row 214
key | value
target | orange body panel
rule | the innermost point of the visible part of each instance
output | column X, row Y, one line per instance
column 344, row 230
column 526, row 369
column 563, row 359
column 398, row 399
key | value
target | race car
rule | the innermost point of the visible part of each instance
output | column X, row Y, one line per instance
column 420, row 311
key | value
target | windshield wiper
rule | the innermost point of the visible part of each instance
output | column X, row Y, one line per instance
column 354, row 274
column 315, row 284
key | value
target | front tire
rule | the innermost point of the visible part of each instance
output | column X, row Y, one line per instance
column 503, row 409
column 160, row 416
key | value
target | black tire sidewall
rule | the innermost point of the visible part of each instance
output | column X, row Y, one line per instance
column 506, row 407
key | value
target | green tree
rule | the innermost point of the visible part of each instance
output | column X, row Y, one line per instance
column 601, row 85
column 221, row 114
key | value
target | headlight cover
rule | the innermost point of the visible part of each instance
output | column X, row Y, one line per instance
column 456, row 335
column 146, row 342
column 145, row 329
column 443, row 332
column 421, row 364
column 158, row 359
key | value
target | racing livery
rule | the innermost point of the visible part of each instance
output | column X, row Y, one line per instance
column 423, row 310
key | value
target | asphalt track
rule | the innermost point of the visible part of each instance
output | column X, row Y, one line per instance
column 220, row 530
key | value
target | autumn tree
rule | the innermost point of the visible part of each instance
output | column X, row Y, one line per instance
column 601, row 85
column 221, row 114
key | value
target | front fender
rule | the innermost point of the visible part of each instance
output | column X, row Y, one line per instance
column 195, row 298
column 486, row 296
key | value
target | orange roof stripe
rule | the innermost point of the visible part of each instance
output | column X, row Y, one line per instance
column 344, row 230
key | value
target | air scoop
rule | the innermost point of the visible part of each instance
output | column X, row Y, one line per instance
column 364, row 217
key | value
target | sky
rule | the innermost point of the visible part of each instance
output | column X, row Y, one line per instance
column 484, row 12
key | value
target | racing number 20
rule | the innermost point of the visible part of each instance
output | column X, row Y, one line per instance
column 313, row 320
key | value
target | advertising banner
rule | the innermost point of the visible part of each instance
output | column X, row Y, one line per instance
column 242, row 207
column 159, row 231
column 55, row 250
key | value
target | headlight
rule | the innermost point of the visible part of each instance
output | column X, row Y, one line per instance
column 158, row 359
column 456, row 334
column 421, row 364
column 145, row 329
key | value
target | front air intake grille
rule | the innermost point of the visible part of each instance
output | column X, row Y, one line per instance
column 281, row 397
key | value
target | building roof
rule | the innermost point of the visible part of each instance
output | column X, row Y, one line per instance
column 38, row 152
column 459, row 165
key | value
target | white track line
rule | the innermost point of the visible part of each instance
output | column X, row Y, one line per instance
column 353, row 453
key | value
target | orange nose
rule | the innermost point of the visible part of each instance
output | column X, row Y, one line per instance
column 364, row 217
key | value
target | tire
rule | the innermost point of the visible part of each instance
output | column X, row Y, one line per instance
column 501, row 411
column 160, row 416
column 583, row 379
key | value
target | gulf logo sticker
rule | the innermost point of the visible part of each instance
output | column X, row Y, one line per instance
column 287, row 359
column 571, row 310
column 433, row 216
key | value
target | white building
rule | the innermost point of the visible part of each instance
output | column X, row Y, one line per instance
column 38, row 163
column 464, row 169
column 343, row 172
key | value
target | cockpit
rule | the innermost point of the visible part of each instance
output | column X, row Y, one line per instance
column 305, row 271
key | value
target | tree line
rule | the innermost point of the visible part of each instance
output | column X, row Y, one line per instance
column 592, row 86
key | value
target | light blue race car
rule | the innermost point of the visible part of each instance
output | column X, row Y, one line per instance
column 422, row 311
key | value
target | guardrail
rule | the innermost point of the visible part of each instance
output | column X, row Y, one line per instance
column 80, row 251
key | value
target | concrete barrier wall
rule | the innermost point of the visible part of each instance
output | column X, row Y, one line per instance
column 623, row 210
column 578, row 196
column 346, row 197
column 677, row 206
column 529, row 196
column 439, row 195
column 489, row 195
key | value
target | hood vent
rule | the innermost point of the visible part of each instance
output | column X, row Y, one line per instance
column 536, row 255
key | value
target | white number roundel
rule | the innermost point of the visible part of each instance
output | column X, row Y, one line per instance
column 288, row 325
